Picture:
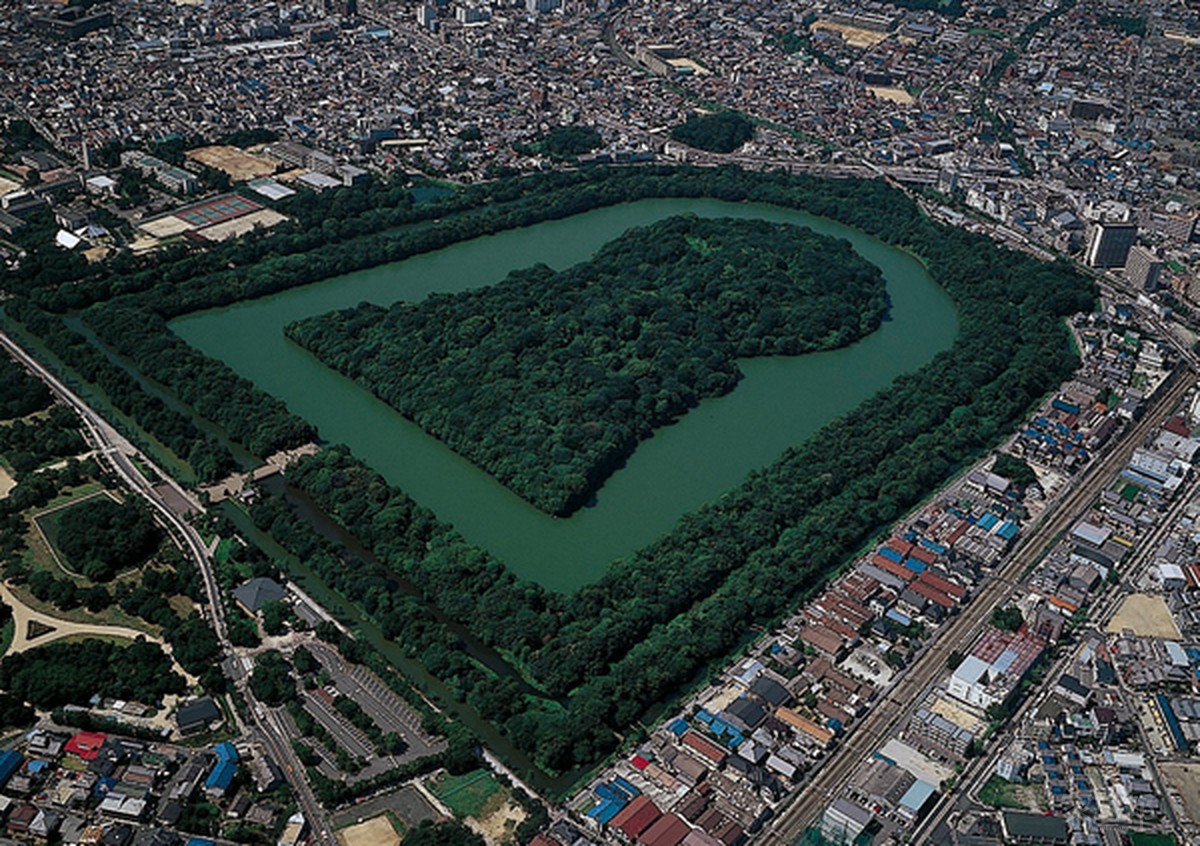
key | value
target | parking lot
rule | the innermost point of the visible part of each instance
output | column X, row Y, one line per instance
column 389, row 711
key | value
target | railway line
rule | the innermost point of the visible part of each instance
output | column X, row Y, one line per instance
column 886, row 714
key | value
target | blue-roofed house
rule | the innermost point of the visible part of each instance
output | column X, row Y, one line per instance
column 891, row 554
column 10, row 762
column 222, row 774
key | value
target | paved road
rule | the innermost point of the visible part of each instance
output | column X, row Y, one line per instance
column 23, row 615
column 116, row 450
column 792, row 822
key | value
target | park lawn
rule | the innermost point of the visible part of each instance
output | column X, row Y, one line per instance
column 67, row 494
column 144, row 469
column 1003, row 794
column 115, row 640
column 398, row 825
column 41, row 553
column 467, row 795
column 111, row 616
column 181, row 605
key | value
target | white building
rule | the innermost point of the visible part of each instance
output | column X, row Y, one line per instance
column 1171, row 576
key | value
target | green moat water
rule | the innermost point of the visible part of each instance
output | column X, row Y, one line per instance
column 779, row 402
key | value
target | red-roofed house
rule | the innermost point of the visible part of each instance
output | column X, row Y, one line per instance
column 642, row 818
column 944, row 585
column 1177, row 426
column 667, row 830
column 932, row 594
column 86, row 744
column 923, row 555
column 623, row 816
column 890, row 566
column 703, row 747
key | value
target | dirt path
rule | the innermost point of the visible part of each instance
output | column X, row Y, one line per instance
column 23, row 615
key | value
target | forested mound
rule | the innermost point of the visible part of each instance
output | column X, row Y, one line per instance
column 548, row 380
column 101, row 537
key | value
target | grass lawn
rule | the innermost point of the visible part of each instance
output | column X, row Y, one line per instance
column 466, row 795
column 38, row 558
column 115, row 640
column 398, row 825
column 43, row 554
column 67, row 495
column 1003, row 794
column 144, row 469
column 223, row 550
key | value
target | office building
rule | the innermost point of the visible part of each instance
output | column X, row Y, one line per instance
column 1142, row 268
column 1108, row 244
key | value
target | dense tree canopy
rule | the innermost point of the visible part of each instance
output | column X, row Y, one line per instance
column 722, row 132
column 20, row 393
column 605, row 654
column 616, row 647
column 29, row 444
column 549, row 380
column 71, row 672
column 1014, row 469
column 1008, row 618
column 272, row 680
column 209, row 459
column 565, row 142
column 100, row 537
column 451, row 833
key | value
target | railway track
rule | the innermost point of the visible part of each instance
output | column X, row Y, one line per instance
column 884, row 717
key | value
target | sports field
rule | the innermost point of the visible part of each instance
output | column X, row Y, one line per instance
column 217, row 210
column 852, row 35
column 236, row 164
column 377, row 831
column 235, row 227
column 217, row 219
column 891, row 94
column 1147, row 616
column 1185, row 779
column 466, row 795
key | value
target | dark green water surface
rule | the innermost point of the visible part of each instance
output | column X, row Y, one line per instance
column 779, row 403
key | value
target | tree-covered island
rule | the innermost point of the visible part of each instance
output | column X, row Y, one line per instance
column 549, row 380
